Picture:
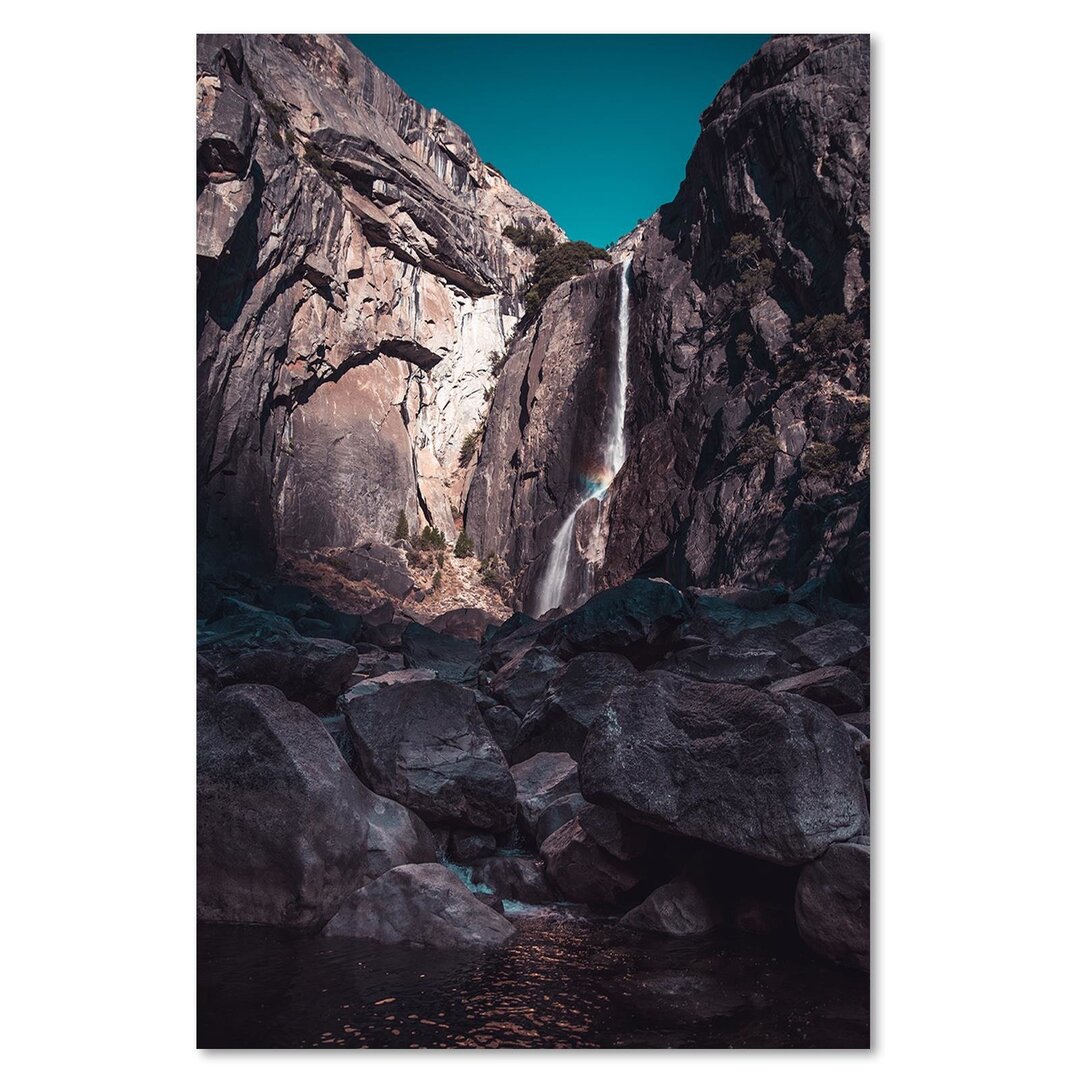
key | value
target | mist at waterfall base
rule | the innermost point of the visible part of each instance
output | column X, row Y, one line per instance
column 551, row 590
column 562, row 981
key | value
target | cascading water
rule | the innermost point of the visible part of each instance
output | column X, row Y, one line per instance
column 549, row 593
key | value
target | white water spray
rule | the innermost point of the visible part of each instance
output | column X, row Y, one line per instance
column 549, row 593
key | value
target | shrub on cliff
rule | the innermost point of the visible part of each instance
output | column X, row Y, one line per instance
column 534, row 240
column 559, row 264
column 402, row 530
column 825, row 335
column 469, row 446
column 822, row 459
column 430, row 539
column 464, row 546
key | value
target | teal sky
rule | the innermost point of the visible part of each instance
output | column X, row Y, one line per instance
column 594, row 128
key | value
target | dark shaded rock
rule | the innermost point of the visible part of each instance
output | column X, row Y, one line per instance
column 382, row 565
column 504, row 724
column 366, row 687
column 729, row 664
column 513, row 877
column 623, row 839
column 832, row 905
column 859, row 720
column 468, row 844
column 423, row 905
column 581, row 870
column 468, row 623
column 678, row 909
column 509, row 641
column 637, row 619
column 557, row 814
column 285, row 831
column 861, row 742
column 839, row 689
column 425, row 744
column 449, row 657
column 521, row 682
column 771, row 776
column 763, row 915
column 563, row 717
column 747, row 597
column 717, row 621
column 374, row 660
column 831, row 645
column 540, row 781
column 248, row 645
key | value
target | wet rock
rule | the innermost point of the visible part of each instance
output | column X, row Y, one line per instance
column 581, row 870
column 832, row 905
column 451, row 658
column 425, row 744
column 637, row 619
column 285, row 831
column 729, row 664
column 541, row 781
column 680, row 997
column 831, row 645
column 468, row 623
column 249, row 645
column 521, row 682
column 514, row 877
column 468, row 844
column 767, row 775
column 839, row 689
column 422, row 905
column 561, row 719
column 678, row 909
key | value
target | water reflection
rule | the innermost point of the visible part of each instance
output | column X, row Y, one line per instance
column 563, row 981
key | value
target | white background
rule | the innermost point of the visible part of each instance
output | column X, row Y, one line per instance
column 975, row 541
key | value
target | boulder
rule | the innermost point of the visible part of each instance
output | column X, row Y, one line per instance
column 449, row 657
column 508, row 641
column 558, row 814
column 469, row 844
column 746, row 596
column 717, row 621
column 757, row 667
column 285, row 832
column 832, row 905
column 839, row 689
column 513, row 877
column 423, row 905
column 678, row 909
column 366, row 687
column 637, row 619
column 678, row 998
column 773, row 776
column 374, row 661
column 249, row 645
column 468, row 623
column 541, row 781
column 504, row 725
column 580, row 869
column 425, row 745
column 520, row 683
column 623, row 839
column 574, row 699
column 832, row 645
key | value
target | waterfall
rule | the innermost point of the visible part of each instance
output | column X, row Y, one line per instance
column 549, row 593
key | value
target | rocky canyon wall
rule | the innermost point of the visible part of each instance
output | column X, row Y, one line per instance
column 355, row 292
column 748, row 415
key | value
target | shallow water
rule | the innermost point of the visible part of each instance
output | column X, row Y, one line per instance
column 563, row 981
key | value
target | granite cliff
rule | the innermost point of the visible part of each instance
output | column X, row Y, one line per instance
column 748, row 412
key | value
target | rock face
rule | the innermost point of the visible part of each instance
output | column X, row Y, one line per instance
column 832, row 905
column 423, row 906
column 748, row 413
column 773, row 776
column 285, row 830
column 424, row 744
column 678, row 909
column 354, row 291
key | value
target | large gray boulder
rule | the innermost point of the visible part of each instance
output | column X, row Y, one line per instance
column 562, row 717
column 841, row 690
column 513, row 877
column 423, row 905
column 835, row 643
column 745, row 664
column 581, row 870
column 451, row 658
column 425, row 745
column 680, row 908
column 773, row 776
column 520, row 683
column 249, row 645
column 285, row 831
column 832, row 905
